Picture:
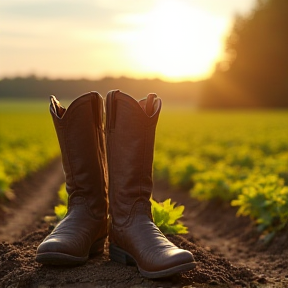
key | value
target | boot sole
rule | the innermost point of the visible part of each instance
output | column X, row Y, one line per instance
column 57, row 258
column 119, row 255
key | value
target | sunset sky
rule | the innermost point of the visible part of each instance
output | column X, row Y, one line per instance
column 170, row 39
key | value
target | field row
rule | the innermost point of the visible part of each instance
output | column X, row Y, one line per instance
column 27, row 141
column 240, row 157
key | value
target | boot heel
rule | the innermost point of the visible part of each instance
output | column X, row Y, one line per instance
column 118, row 255
column 98, row 246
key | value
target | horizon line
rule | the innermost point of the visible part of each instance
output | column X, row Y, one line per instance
column 83, row 78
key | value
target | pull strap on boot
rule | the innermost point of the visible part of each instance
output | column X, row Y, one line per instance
column 134, row 238
column 83, row 231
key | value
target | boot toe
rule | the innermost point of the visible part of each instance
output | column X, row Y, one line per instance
column 176, row 261
column 52, row 246
column 174, row 258
column 181, row 256
column 55, row 252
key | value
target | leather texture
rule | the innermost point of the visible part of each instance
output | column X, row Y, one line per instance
column 80, row 132
column 133, row 236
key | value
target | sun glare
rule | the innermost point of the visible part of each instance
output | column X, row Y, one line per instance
column 175, row 41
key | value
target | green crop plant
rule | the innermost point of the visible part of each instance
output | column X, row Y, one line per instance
column 265, row 200
column 61, row 209
column 5, row 182
column 166, row 216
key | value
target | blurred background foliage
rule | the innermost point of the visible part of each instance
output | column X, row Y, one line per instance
column 255, row 71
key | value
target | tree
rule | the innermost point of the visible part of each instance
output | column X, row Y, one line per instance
column 257, row 57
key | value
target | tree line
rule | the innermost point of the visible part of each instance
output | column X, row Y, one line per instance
column 33, row 87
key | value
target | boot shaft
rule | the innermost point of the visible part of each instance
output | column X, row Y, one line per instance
column 80, row 133
column 131, row 128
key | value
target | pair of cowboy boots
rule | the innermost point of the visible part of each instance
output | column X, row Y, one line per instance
column 129, row 144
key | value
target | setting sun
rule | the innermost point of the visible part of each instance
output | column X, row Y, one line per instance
column 175, row 41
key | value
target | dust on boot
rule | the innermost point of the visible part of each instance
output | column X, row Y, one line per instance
column 134, row 238
column 80, row 132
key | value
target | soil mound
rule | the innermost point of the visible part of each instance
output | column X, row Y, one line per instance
column 228, row 250
column 19, row 269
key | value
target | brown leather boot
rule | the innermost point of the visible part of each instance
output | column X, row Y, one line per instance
column 134, row 238
column 81, row 137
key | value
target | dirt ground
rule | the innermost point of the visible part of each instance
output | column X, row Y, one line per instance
column 229, row 251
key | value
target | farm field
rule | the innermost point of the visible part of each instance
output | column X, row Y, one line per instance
column 27, row 141
column 216, row 163
column 239, row 157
